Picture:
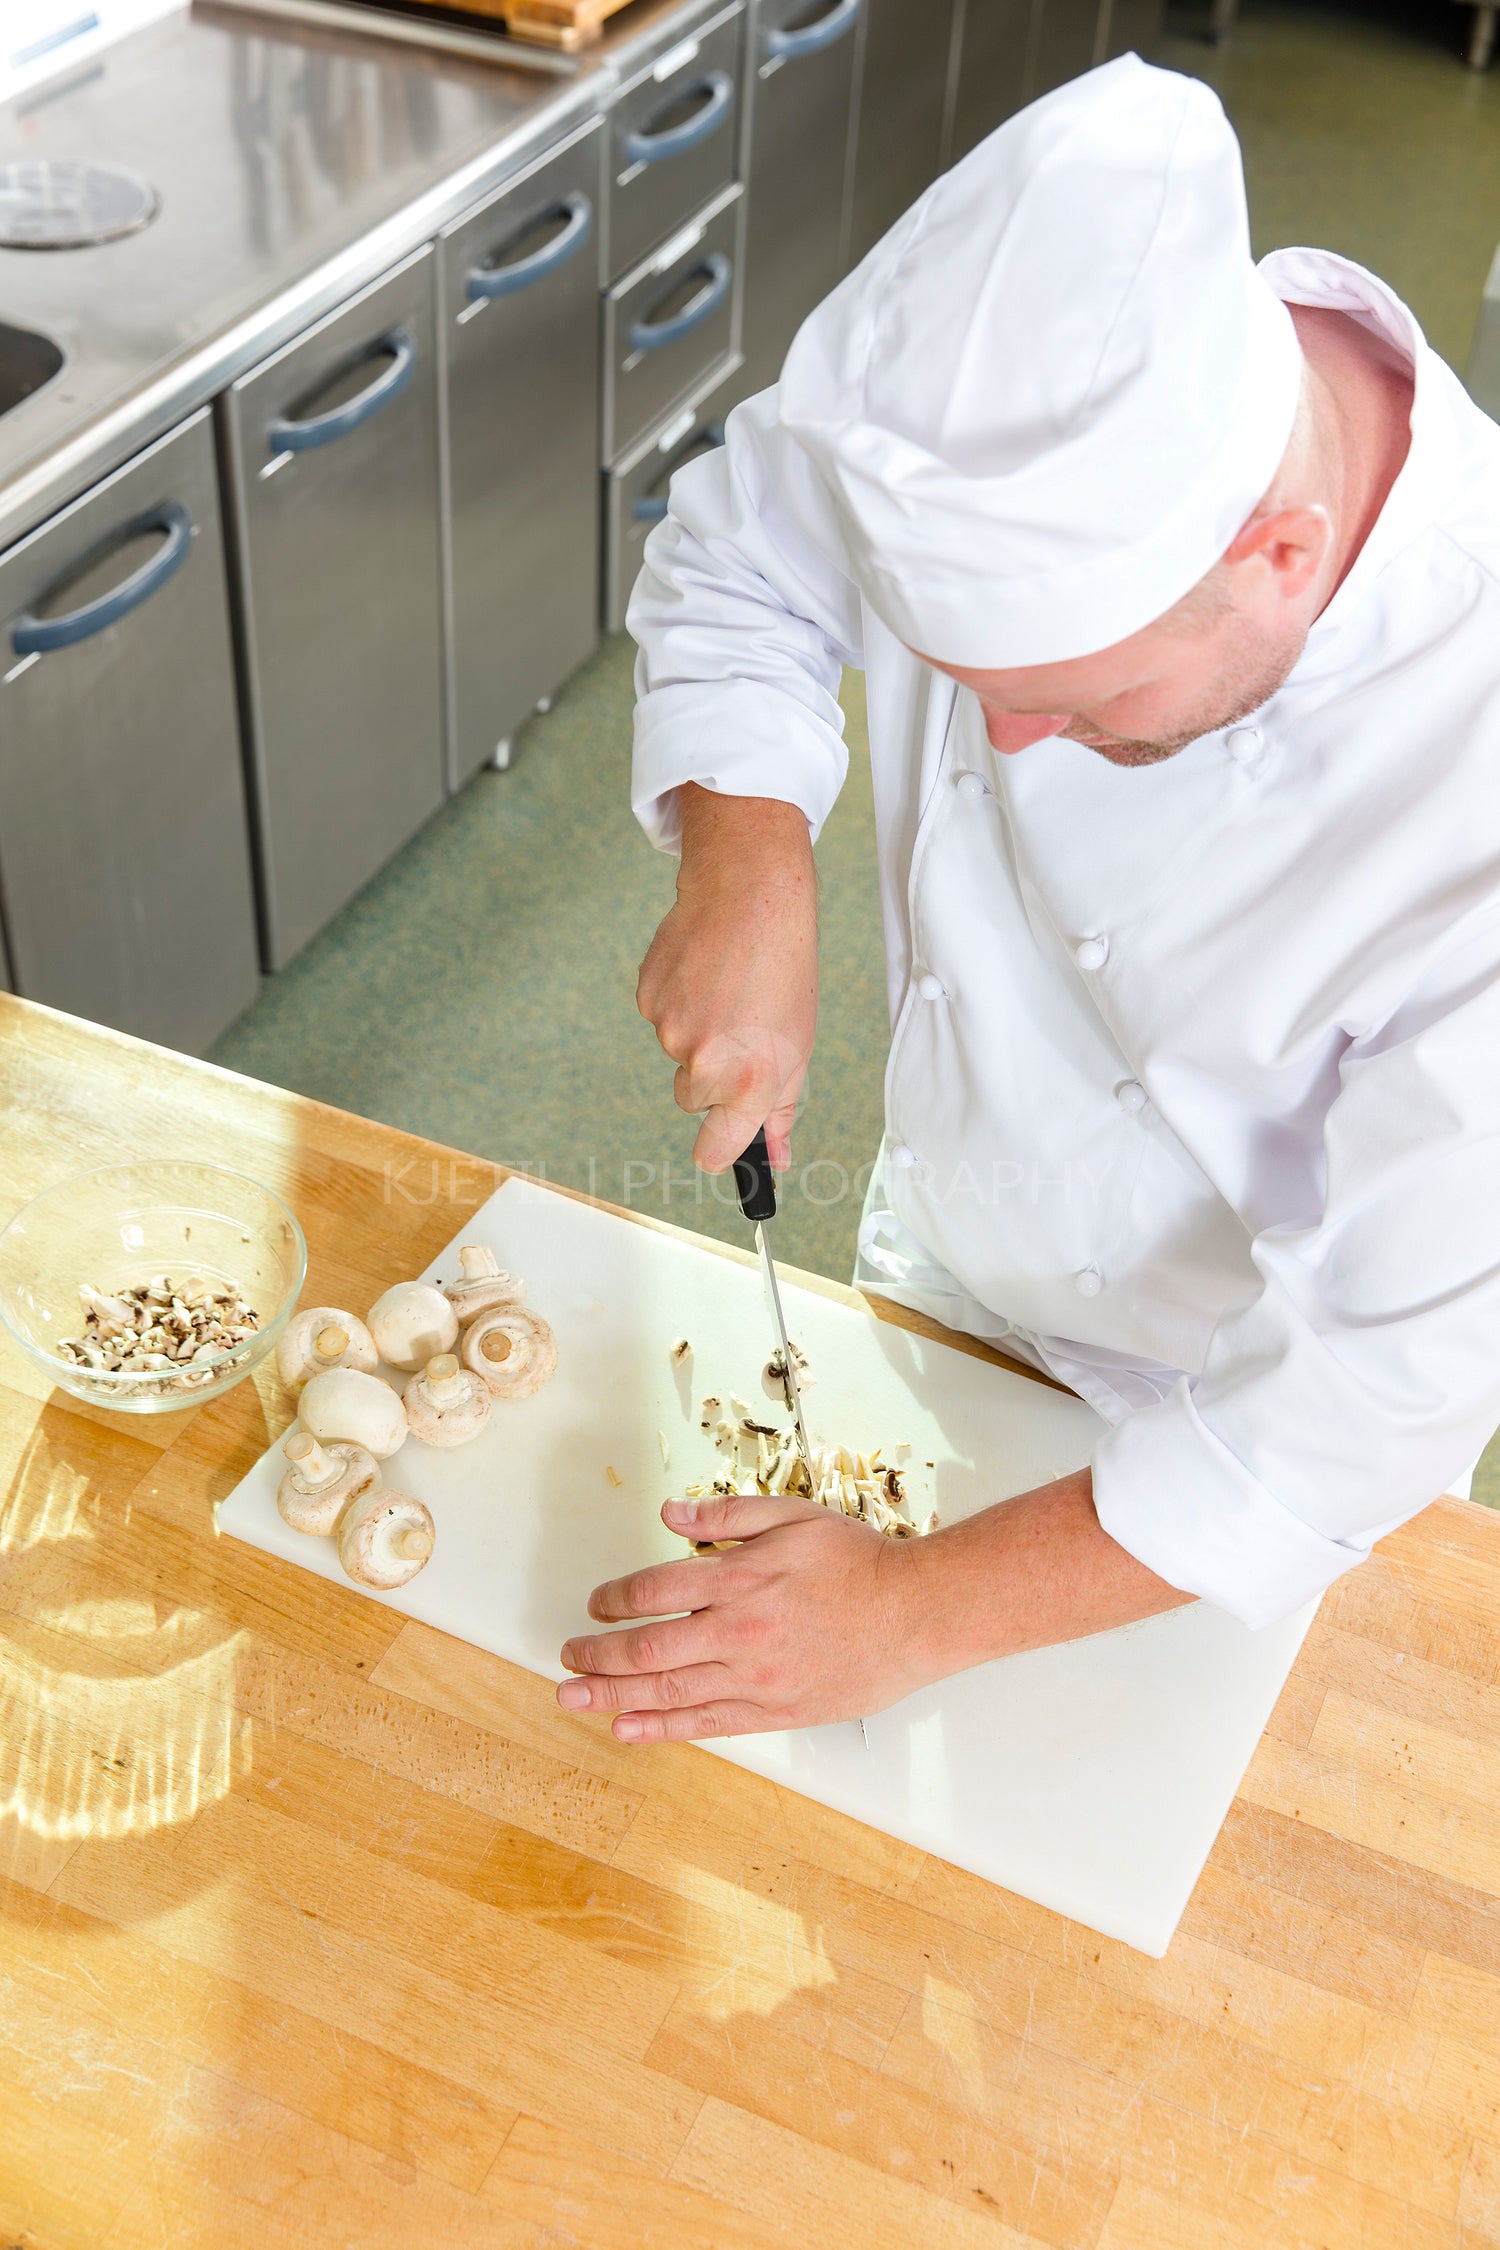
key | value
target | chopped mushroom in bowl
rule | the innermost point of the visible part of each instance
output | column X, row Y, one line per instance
column 148, row 1287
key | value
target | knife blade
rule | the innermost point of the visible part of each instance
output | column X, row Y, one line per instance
column 756, row 1184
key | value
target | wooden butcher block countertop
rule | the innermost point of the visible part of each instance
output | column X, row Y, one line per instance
column 299, row 1948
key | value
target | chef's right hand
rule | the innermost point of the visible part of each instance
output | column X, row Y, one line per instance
column 731, row 979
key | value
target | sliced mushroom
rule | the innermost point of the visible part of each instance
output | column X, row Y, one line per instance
column 512, row 1348
column 385, row 1539
column 320, row 1481
column 773, row 1376
column 411, row 1324
column 482, row 1285
column 445, row 1404
column 345, row 1406
column 321, row 1338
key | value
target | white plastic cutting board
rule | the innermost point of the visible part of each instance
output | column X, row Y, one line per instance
column 1092, row 1778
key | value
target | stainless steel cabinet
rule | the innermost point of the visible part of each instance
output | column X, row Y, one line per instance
column 332, row 450
column 635, row 491
column 124, row 857
column 1064, row 42
column 519, row 312
column 1129, row 26
column 903, row 93
column 1009, row 52
column 674, row 134
column 993, row 39
column 671, row 322
column 802, row 56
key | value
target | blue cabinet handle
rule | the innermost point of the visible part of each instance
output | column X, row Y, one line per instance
column 652, row 506
column 36, row 636
column 650, row 148
column 813, row 36
column 649, row 336
column 286, row 435
column 504, row 281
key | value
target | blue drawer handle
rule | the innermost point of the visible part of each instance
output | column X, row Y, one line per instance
column 649, row 336
column 287, row 436
column 650, row 148
column 36, row 636
column 504, row 281
column 814, row 36
column 652, row 506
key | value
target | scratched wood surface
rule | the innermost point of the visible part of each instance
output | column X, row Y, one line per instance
column 318, row 1929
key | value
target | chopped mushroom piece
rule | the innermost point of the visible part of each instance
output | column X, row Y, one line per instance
column 680, row 1351
column 762, row 1458
column 513, row 1348
column 446, row 1405
column 184, row 1332
column 773, row 1375
column 385, row 1539
column 321, row 1481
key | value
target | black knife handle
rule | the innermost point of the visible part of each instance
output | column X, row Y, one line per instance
column 755, row 1181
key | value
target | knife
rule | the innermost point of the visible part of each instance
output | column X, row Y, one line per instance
column 756, row 1183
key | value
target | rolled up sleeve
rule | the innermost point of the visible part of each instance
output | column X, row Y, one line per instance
column 1365, row 1374
column 744, row 621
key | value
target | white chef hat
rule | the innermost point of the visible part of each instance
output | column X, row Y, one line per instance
column 1048, row 399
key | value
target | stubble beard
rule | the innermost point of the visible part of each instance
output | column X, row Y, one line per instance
column 1241, row 690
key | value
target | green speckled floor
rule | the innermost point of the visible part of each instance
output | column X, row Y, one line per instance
column 481, row 990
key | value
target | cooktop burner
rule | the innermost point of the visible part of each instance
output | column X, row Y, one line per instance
column 69, row 205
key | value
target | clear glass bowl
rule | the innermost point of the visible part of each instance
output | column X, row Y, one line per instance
column 127, row 1224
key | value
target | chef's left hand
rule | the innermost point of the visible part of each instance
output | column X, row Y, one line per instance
column 807, row 1620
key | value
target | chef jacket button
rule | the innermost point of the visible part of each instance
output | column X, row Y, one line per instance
column 1092, row 953
column 972, row 785
column 931, row 987
column 1242, row 743
column 902, row 1157
column 1089, row 1282
column 1131, row 1097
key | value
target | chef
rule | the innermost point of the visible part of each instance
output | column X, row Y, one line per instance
column 1176, row 583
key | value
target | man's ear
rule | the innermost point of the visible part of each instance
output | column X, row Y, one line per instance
column 1292, row 544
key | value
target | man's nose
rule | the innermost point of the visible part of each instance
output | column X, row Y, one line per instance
column 1017, row 730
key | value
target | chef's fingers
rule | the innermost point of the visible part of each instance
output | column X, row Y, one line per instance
column 724, row 1134
column 778, row 1126
column 655, row 1647
column 737, row 1515
column 684, row 1687
column 664, row 1591
column 707, row 1721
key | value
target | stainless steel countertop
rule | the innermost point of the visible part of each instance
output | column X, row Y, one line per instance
column 293, row 165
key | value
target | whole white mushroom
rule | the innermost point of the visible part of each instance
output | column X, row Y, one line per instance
column 321, row 1481
column 385, row 1539
column 411, row 1324
column 445, row 1404
column 320, row 1338
column 356, row 1409
column 513, row 1348
column 482, row 1283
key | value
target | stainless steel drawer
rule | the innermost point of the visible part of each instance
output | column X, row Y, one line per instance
column 519, row 305
column 333, row 451
column 674, row 137
column 124, row 852
column 670, row 323
column 635, row 493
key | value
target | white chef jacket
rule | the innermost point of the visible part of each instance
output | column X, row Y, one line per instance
column 1195, row 1072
